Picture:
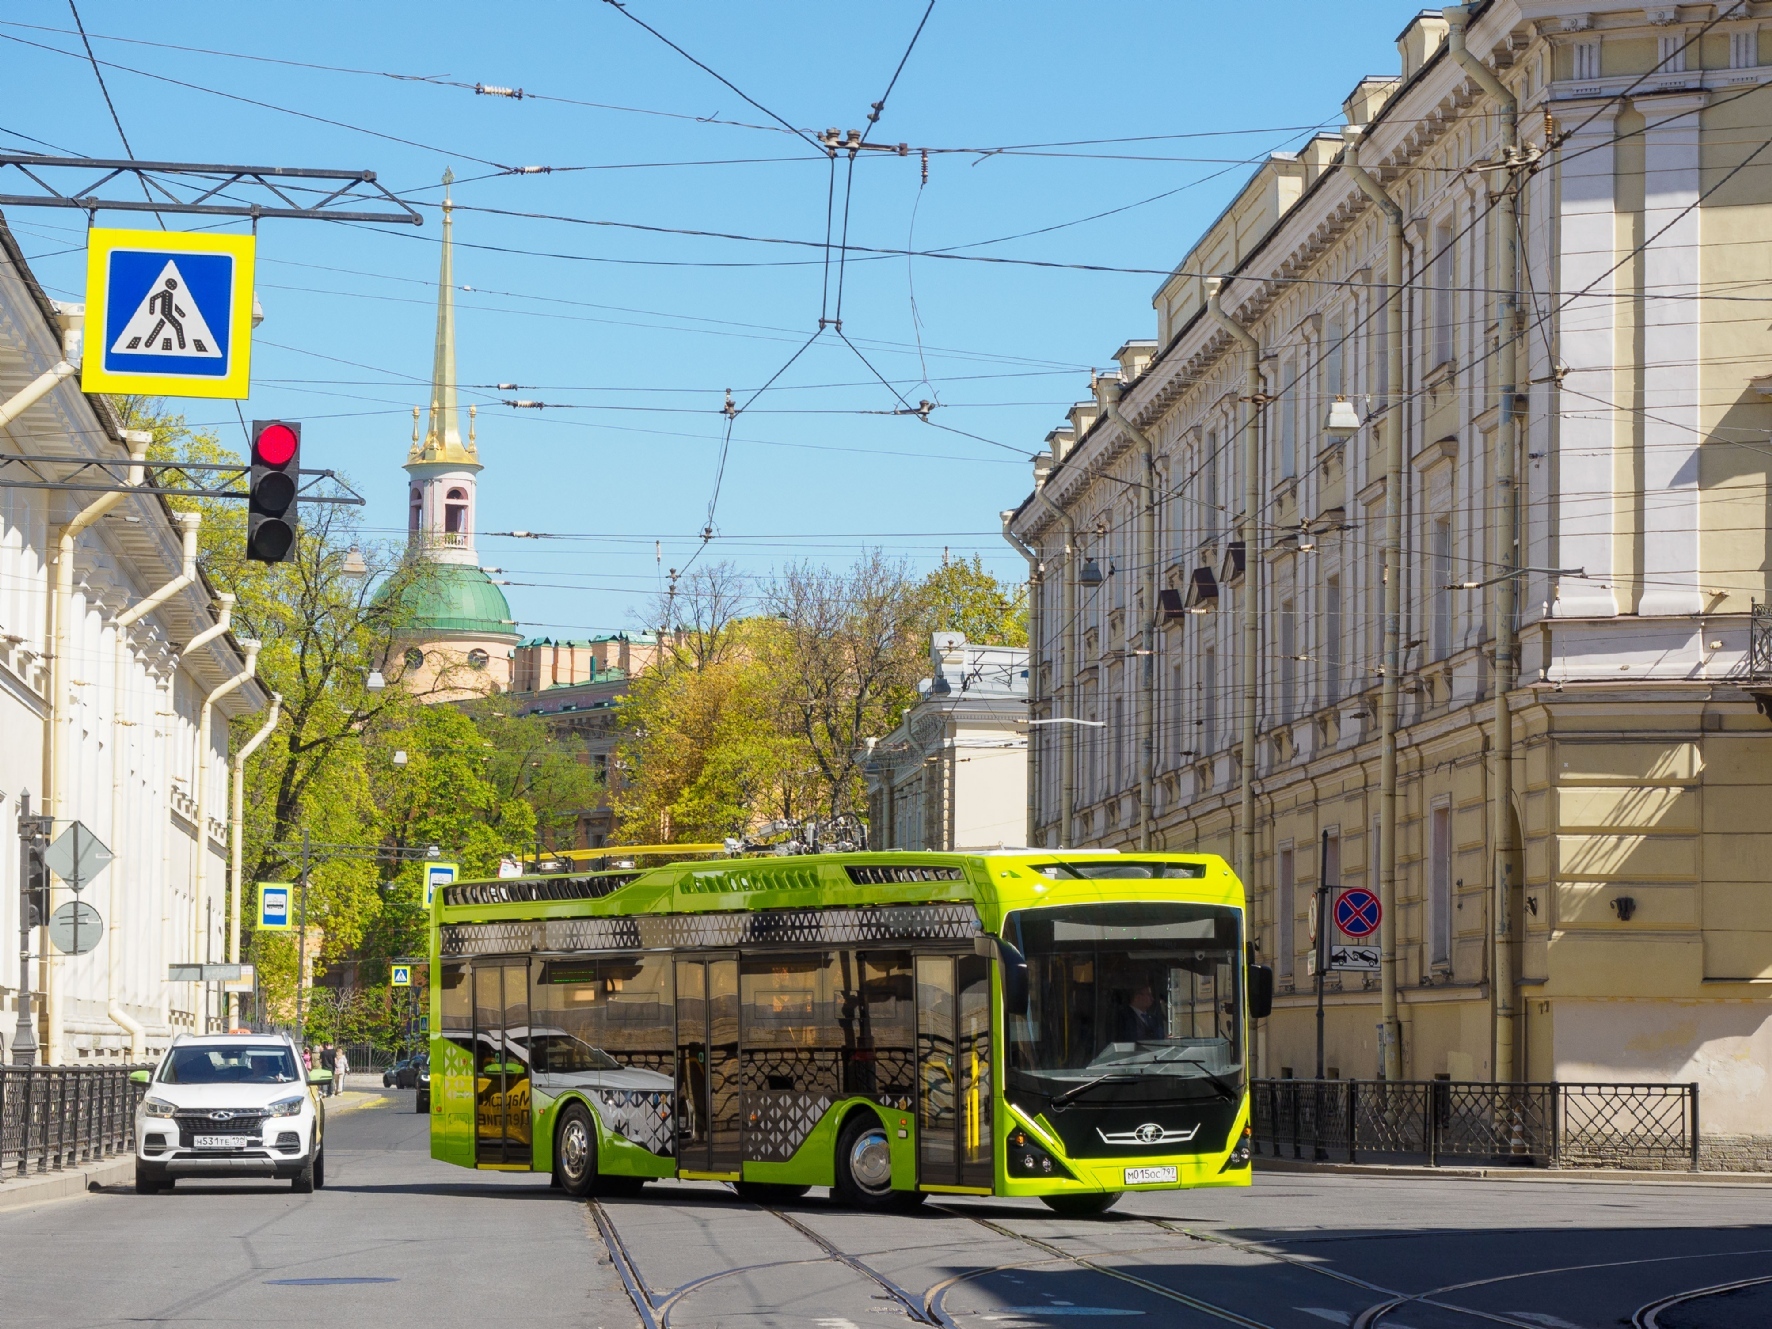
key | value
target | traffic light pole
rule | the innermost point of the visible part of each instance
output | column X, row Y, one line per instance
column 24, row 1038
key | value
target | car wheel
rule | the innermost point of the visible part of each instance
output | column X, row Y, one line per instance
column 147, row 1183
column 302, row 1183
column 423, row 1102
column 575, row 1151
column 319, row 1169
column 1082, row 1206
column 864, row 1163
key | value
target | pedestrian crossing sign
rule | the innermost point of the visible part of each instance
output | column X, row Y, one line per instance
column 168, row 313
column 273, row 906
column 400, row 976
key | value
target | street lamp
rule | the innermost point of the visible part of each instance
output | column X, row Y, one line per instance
column 1342, row 422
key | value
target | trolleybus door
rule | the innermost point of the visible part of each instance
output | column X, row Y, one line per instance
column 501, row 1062
column 707, row 1065
column 954, row 1138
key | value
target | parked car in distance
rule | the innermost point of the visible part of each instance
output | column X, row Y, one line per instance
column 391, row 1077
column 423, row 1083
column 230, row 1105
column 408, row 1076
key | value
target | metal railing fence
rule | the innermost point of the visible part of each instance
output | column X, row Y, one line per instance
column 55, row 1117
column 1547, row 1124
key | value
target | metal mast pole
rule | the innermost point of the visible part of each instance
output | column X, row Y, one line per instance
column 301, row 948
column 24, row 1037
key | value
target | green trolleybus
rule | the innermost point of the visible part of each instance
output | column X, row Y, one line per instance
column 1063, row 1024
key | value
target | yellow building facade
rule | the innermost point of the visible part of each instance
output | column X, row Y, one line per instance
column 1229, row 658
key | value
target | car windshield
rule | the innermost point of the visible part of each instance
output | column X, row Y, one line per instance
column 236, row 1064
column 1130, row 1001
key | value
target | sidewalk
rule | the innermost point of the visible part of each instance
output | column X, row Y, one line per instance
column 23, row 1192
column 1613, row 1176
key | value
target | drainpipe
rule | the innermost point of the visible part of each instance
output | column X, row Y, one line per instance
column 236, row 829
column 69, row 365
column 1034, row 581
column 224, row 618
column 134, row 614
column 54, row 759
column 200, row 877
column 1068, row 655
column 1501, row 803
column 1248, row 601
column 1147, row 555
column 1392, row 550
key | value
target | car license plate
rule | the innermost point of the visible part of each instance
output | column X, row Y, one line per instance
column 239, row 1142
column 1149, row 1176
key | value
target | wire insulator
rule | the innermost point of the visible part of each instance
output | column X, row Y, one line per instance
column 489, row 90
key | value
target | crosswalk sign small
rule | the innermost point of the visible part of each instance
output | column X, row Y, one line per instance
column 273, row 906
column 168, row 313
column 400, row 976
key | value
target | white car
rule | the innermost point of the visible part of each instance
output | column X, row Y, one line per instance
column 230, row 1105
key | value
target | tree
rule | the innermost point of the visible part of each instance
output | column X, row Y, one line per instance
column 963, row 597
column 845, row 662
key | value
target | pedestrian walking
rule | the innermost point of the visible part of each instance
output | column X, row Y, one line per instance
column 329, row 1062
column 341, row 1069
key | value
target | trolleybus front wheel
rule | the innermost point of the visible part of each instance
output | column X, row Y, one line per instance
column 864, row 1163
column 575, row 1151
column 1081, row 1206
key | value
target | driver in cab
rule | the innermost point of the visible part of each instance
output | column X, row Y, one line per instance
column 1141, row 1018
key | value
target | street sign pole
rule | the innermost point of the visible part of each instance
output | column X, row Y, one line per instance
column 30, row 835
column 1322, row 939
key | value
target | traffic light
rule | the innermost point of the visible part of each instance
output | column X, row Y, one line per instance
column 34, row 838
column 271, row 505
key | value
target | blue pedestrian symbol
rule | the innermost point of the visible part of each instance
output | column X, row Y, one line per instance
column 1357, row 912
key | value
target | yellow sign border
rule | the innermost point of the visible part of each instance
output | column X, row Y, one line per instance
column 393, row 975
column 288, row 923
column 101, row 243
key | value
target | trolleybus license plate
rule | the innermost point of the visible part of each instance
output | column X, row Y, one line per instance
column 239, row 1142
column 1148, row 1176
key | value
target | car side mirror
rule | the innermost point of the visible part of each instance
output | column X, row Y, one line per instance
column 1261, row 991
column 320, row 1077
column 140, row 1077
column 1014, row 968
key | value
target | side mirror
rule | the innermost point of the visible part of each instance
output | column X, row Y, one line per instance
column 1261, row 991
column 1015, row 972
column 140, row 1077
column 320, row 1077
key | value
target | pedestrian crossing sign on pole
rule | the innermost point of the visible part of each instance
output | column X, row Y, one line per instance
column 168, row 313
column 400, row 976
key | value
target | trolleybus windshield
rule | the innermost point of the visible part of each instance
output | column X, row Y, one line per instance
column 1128, row 1002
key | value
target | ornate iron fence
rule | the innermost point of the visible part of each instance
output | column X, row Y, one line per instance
column 54, row 1117
column 1446, row 1121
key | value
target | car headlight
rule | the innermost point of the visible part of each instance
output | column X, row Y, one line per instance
column 157, row 1107
column 287, row 1107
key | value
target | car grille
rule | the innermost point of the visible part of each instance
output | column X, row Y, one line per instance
column 241, row 1121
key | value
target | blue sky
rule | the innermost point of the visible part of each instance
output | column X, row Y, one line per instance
column 638, row 335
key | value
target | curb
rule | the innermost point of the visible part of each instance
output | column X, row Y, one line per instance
column 1588, row 1176
column 23, row 1192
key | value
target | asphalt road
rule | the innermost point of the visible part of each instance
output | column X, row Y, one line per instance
column 397, row 1240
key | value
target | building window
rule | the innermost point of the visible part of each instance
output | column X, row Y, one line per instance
column 1439, row 906
column 1444, row 295
column 1209, row 699
column 1178, row 713
column 1289, row 406
column 1288, row 658
column 1209, row 473
column 478, row 659
column 455, row 512
column 1379, row 338
column 1285, row 902
column 416, row 519
column 1441, row 588
column 1332, row 629
column 415, row 658
column 1587, row 61
column 1334, row 362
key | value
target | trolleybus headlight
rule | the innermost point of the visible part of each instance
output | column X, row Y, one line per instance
column 1028, row 1158
column 1240, row 1155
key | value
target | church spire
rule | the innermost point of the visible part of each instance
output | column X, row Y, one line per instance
column 442, row 439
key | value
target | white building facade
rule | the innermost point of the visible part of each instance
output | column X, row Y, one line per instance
column 953, row 774
column 1289, row 631
column 108, row 735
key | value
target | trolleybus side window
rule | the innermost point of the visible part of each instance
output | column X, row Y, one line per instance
column 458, row 1008
column 600, row 1013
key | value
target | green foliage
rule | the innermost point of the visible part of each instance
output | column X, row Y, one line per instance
column 963, row 597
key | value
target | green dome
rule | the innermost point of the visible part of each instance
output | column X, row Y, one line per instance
column 458, row 597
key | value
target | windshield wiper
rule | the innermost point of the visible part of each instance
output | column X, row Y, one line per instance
column 1224, row 1086
column 1104, row 1078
